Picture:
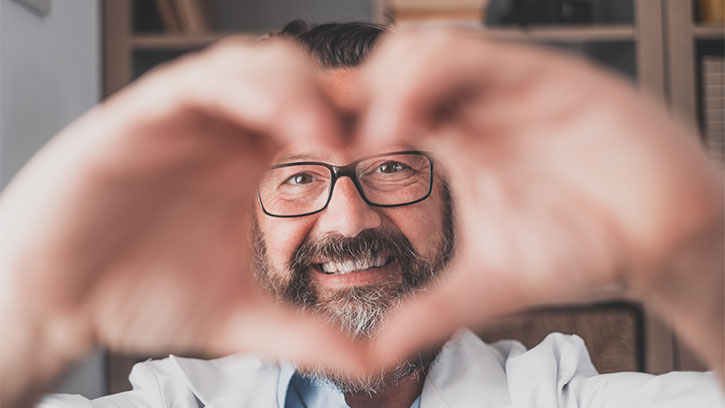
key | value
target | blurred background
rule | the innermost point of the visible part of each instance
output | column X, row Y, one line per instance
column 59, row 58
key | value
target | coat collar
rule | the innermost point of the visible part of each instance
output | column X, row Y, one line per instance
column 467, row 373
column 233, row 381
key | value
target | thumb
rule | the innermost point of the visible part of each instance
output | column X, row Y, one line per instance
column 278, row 331
column 430, row 318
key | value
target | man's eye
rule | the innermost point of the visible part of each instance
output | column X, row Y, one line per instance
column 299, row 179
column 391, row 167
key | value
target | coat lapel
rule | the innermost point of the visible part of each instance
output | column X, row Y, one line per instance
column 467, row 373
column 240, row 380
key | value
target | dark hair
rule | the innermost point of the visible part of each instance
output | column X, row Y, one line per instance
column 335, row 45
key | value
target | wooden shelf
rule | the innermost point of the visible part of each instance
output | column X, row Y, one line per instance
column 709, row 31
column 612, row 33
column 589, row 33
column 159, row 42
column 608, row 33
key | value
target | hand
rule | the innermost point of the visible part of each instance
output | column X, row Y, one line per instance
column 129, row 229
column 565, row 182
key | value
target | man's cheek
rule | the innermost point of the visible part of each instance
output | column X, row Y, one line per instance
column 279, row 255
column 283, row 237
column 421, row 225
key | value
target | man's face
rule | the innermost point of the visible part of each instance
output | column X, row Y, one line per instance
column 393, row 250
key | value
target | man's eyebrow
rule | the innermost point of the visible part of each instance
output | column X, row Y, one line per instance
column 295, row 157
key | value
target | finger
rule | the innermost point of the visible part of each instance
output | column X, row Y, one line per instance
column 278, row 331
column 419, row 81
column 267, row 88
column 285, row 98
column 408, row 76
column 429, row 319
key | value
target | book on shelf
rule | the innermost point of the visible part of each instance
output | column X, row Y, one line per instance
column 418, row 11
column 169, row 18
column 194, row 16
column 185, row 16
column 711, row 11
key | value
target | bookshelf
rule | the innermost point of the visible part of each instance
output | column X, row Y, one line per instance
column 708, row 31
column 124, row 42
column 577, row 34
column 660, row 49
column 161, row 42
column 695, row 48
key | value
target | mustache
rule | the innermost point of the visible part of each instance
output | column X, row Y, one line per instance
column 367, row 245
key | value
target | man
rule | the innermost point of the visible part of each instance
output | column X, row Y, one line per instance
column 347, row 230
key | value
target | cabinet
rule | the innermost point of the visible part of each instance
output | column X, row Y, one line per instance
column 658, row 44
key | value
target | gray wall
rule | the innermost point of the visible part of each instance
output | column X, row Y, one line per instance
column 49, row 75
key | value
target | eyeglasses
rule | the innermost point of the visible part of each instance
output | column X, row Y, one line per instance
column 383, row 180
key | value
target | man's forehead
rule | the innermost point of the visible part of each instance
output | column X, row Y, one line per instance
column 343, row 87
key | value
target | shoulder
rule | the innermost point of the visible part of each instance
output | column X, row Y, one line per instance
column 559, row 369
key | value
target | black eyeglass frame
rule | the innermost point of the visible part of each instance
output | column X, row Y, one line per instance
column 348, row 170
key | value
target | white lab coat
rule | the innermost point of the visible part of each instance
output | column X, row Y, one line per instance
column 468, row 373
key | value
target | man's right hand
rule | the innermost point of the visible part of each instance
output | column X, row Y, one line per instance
column 129, row 229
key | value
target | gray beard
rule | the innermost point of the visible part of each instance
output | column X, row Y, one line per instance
column 358, row 311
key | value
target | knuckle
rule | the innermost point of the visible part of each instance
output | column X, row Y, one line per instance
column 231, row 44
column 437, row 42
column 283, row 53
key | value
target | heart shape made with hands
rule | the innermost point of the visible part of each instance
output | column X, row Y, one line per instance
column 140, row 208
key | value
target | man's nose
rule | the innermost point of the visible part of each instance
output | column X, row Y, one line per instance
column 347, row 213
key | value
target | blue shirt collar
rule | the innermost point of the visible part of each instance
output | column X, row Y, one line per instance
column 296, row 391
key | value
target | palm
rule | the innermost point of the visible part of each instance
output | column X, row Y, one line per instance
column 180, row 248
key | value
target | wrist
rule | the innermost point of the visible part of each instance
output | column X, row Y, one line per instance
column 39, row 341
column 685, row 282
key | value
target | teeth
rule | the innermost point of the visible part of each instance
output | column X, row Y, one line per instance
column 353, row 265
column 380, row 261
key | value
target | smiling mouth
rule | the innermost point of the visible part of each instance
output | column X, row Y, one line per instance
column 352, row 265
